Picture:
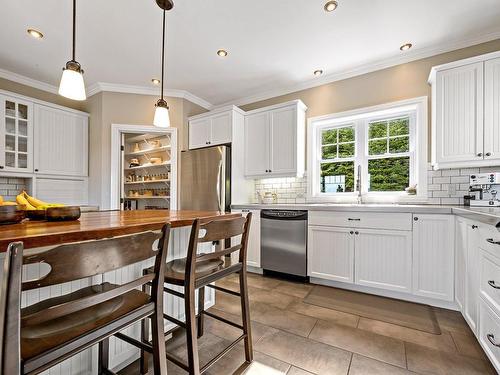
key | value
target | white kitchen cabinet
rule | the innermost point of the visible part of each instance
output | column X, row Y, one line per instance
column 70, row 191
column 253, row 251
column 61, row 142
column 465, row 112
column 433, row 256
column 460, row 261
column 275, row 141
column 16, row 135
column 212, row 128
column 383, row 259
column 492, row 109
column 331, row 253
column 472, row 277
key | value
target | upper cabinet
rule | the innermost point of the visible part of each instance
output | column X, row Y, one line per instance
column 465, row 112
column 61, row 142
column 212, row 128
column 16, row 135
column 274, row 141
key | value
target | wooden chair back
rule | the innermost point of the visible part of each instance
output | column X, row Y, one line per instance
column 218, row 231
column 10, row 310
column 90, row 258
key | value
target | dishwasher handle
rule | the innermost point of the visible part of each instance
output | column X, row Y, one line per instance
column 283, row 215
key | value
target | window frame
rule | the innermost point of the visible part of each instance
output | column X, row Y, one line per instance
column 415, row 109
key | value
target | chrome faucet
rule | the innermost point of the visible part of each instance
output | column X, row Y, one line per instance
column 358, row 186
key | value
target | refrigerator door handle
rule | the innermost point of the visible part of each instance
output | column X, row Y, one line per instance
column 219, row 186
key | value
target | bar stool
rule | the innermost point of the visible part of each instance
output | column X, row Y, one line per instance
column 44, row 334
column 197, row 271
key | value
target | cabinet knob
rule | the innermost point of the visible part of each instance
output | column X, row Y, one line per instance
column 36, row 170
column 270, row 171
column 1, row 166
column 415, row 218
column 479, row 154
column 488, row 154
column 474, row 227
column 351, row 232
column 356, row 233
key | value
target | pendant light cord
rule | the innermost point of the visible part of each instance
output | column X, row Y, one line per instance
column 163, row 54
column 74, row 29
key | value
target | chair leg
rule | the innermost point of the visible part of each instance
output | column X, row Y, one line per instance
column 159, row 347
column 144, row 360
column 192, row 341
column 245, row 312
column 103, row 357
column 201, row 309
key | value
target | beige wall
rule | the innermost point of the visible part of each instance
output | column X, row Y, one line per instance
column 107, row 108
column 40, row 94
column 383, row 86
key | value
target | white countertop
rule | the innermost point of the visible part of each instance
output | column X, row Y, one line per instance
column 488, row 215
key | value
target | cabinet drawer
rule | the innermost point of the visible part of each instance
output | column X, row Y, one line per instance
column 489, row 239
column 489, row 279
column 489, row 333
column 378, row 220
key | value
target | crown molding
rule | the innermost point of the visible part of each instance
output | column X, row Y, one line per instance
column 143, row 90
column 409, row 56
column 18, row 78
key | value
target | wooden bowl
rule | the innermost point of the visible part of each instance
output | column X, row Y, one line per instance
column 36, row 214
column 66, row 213
column 11, row 214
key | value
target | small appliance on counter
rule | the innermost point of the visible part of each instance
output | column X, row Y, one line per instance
column 483, row 189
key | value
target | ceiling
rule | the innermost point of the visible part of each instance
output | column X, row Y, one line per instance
column 272, row 44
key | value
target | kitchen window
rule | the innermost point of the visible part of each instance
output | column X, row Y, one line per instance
column 386, row 144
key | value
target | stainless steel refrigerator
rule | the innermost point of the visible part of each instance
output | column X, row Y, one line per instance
column 206, row 179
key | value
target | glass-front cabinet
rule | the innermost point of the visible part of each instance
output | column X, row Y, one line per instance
column 16, row 135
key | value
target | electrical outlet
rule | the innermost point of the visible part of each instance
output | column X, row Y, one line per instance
column 452, row 189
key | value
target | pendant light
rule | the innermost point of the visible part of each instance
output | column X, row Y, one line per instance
column 72, row 85
column 162, row 118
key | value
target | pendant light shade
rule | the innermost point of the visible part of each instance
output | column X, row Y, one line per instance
column 162, row 117
column 72, row 85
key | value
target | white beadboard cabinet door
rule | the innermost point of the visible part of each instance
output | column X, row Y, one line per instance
column 257, row 128
column 253, row 250
column 472, row 277
column 459, row 115
column 220, row 129
column 61, row 142
column 330, row 253
column 492, row 109
column 460, row 261
column 283, row 147
column 433, row 256
column 70, row 191
column 383, row 259
column 199, row 133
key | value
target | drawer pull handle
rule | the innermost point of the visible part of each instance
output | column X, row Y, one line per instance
column 351, row 219
column 493, row 284
column 491, row 338
column 492, row 241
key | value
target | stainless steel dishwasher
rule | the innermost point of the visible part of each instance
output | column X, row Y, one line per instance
column 284, row 241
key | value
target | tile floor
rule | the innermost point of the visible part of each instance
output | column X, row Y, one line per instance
column 293, row 338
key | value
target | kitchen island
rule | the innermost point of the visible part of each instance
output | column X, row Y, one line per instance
column 42, row 235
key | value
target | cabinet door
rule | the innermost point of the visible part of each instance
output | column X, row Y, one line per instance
column 61, row 146
column 66, row 191
column 472, row 277
column 433, row 256
column 383, row 259
column 221, row 129
column 253, row 251
column 283, row 150
column 459, row 114
column 257, row 129
column 199, row 133
column 16, row 135
column 492, row 109
column 330, row 253
column 460, row 261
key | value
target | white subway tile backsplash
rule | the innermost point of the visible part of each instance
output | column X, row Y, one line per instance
column 450, row 172
column 441, row 180
column 459, row 179
column 433, row 187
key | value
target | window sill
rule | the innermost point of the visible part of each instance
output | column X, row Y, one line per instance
column 371, row 199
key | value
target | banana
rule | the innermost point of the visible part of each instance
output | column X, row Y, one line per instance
column 34, row 201
column 1, row 200
column 9, row 203
column 23, row 201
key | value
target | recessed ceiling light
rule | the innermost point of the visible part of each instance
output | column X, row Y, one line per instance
column 35, row 33
column 222, row 53
column 155, row 81
column 318, row 72
column 406, row 47
column 330, row 6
